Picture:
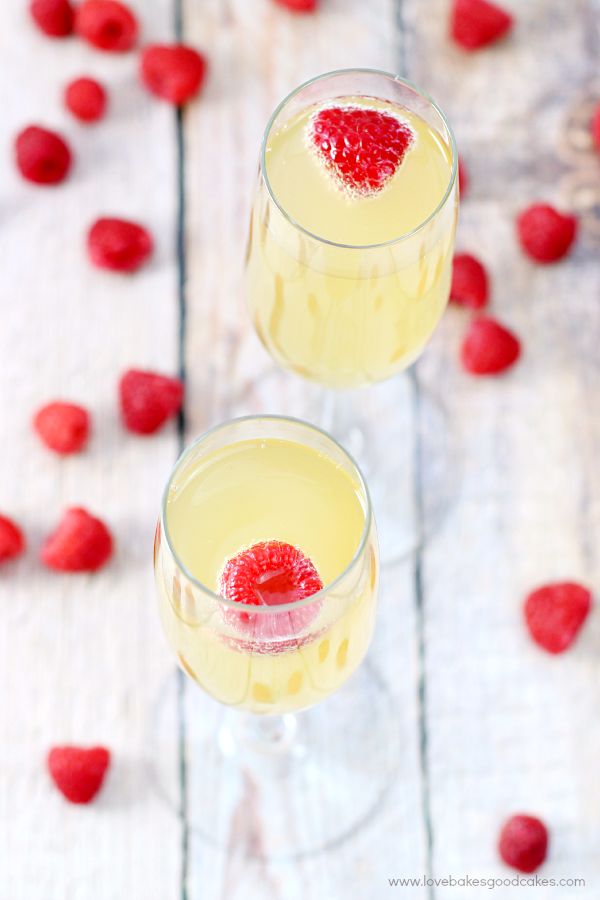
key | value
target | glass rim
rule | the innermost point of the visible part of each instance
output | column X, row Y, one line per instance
column 283, row 607
column 368, row 71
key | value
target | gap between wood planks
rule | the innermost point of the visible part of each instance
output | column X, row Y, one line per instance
column 402, row 69
column 181, row 427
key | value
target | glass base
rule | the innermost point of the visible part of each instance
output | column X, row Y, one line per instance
column 401, row 437
column 276, row 787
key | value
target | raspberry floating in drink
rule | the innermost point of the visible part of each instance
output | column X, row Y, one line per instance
column 361, row 147
column 270, row 573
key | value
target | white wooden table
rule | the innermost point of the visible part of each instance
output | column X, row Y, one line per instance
column 491, row 725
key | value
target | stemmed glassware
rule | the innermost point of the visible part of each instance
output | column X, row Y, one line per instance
column 276, row 735
column 347, row 279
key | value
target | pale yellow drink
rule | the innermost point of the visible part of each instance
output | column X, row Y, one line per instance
column 262, row 490
column 346, row 289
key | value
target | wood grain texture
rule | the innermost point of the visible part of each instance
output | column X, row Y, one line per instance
column 81, row 657
column 509, row 727
column 260, row 53
column 490, row 725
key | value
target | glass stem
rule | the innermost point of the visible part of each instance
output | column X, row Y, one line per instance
column 266, row 735
column 339, row 416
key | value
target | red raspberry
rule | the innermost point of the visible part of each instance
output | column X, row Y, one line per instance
column 80, row 543
column 53, row 17
column 463, row 178
column 63, row 427
column 268, row 574
column 361, row 147
column 42, row 156
column 107, row 25
column 523, row 843
column 545, row 234
column 78, row 772
column 596, row 128
column 119, row 245
column 555, row 613
column 299, row 6
column 488, row 347
column 477, row 23
column 173, row 72
column 469, row 282
column 148, row 400
column 12, row 542
column 86, row 99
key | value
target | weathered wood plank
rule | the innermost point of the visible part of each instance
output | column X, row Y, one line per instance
column 81, row 657
column 509, row 727
column 259, row 53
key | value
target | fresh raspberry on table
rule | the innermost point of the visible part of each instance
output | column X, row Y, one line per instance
column 173, row 72
column 523, row 843
column 477, row 23
column 489, row 348
column 469, row 282
column 63, row 427
column 596, row 128
column 360, row 147
column 42, row 156
column 555, row 613
column 298, row 6
column 86, row 99
column 12, row 541
column 463, row 178
column 53, row 17
column 107, row 25
column 545, row 234
column 270, row 573
column 78, row 772
column 80, row 543
column 119, row 245
column 148, row 400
